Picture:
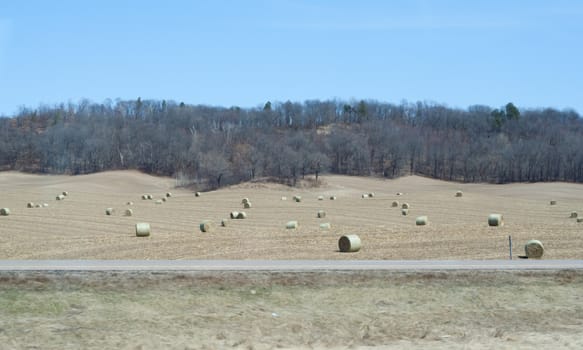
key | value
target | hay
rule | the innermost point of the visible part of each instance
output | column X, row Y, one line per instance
column 459, row 194
column 129, row 212
column 320, row 198
column 245, row 200
column 349, row 243
column 364, row 195
column 553, row 202
column 5, row 211
column 224, row 222
column 144, row 196
column 163, row 199
column 534, row 249
column 395, row 204
column 325, row 226
column 405, row 206
column 30, row 205
column 399, row 193
column 142, row 229
column 292, row 225
column 321, row 214
column 159, row 201
column 297, row 199
column 579, row 219
column 421, row 221
column 38, row 205
column 109, row 211
column 45, row 205
column 247, row 205
column 242, row 215
column 496, row 220
column 130, row 203
column 405, row 212
column 60, row 197
column 234, row 214
column 150, row 196
column 197, row 194
column 573, row 215
column 65, row 193
column 284, row 198
column 332, row 198
column 205, row 226
column 371, row 195
column 168, row 194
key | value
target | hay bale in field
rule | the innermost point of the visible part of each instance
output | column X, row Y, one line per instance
column 284, row 198
column 129, row 212
column 364, row 195
column 399, row 193
column 247, row 205
column 38, row 205
column 325, row 226
column 60, row 197
column 224, row 222
column 245, row 200
column 405, row 212
column 349, row 243
column 65, row 193
column 129, row 203
column 495, row 220
column 109, row 211
column 144, row 196
column 30, row 205
column 168, row 194
column 321, row 214
column 163, row 199
column 234, row 214
column 534, row 249
column 421, row 221
column 297, row 199
column 320, row 198
column 142, row 229
column 405, row 206
column 5, row 211
column 45, row 205
column 371, row 195
column 459, row 194
column 332, row 198
column 395, row 204
column 205, row 226
column 553, row 202
column 579, row 219
column 197, row 194
column 573, row 215
column 159, row 201
column 242, row 215
column 292, row 225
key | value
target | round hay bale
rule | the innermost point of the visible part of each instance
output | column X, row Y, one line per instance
column 421, row 221
column 168, row 194
column 5, row 211
column 45, row 205
column 234, row 214
column 371, row 195
column 364, row 195
column 205, row 226
column 247, row 205
column 109, row 211
column 297, row 199
column 573, row 215
column 405, row 206
column 144, row 196
column 142, row 229
column 30, row 205
column 129, row 212
column 332, row 198
column 150, row 197
column 65, row 193
column 553, row 202
column 495, row 220
column 224, row 222
column 579, row 219
column 321, row 214
column 325, row 226
column 534, row 249
column 38, row 205
column 349, row 243
column 395, row 204
column 159, row 201
column 197, row 194
column 292, row 225
column 320, row 198
column 405, row 211
column 163, row 199
column 60, row 197
column 459, row 194
column 399, row 193
column 284, row 198
column 130, row 203
column 242, row 215
column 245, row 200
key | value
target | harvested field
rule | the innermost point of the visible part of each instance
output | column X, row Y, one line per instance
column 76, row 227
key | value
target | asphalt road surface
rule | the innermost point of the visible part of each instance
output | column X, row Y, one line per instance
column 286, row 265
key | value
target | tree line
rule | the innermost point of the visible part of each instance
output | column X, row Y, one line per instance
column 215, row 146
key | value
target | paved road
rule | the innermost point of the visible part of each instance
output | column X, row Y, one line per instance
column 285, row 265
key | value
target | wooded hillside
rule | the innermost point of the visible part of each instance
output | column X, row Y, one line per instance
column 215, row 146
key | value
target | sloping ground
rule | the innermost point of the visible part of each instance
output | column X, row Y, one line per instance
column 77, row 227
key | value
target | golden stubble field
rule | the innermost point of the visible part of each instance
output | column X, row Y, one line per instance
column 77, row 227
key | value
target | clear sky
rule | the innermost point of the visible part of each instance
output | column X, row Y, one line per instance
column 243, row 53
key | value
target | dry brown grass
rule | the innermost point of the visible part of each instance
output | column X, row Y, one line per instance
column 77, row 229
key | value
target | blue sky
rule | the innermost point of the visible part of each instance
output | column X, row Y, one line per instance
column 243, row 53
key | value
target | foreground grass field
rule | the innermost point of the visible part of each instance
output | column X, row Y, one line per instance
column 261, row 310
column 77, row 227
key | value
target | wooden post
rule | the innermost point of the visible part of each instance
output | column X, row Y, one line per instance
column 510, row 246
